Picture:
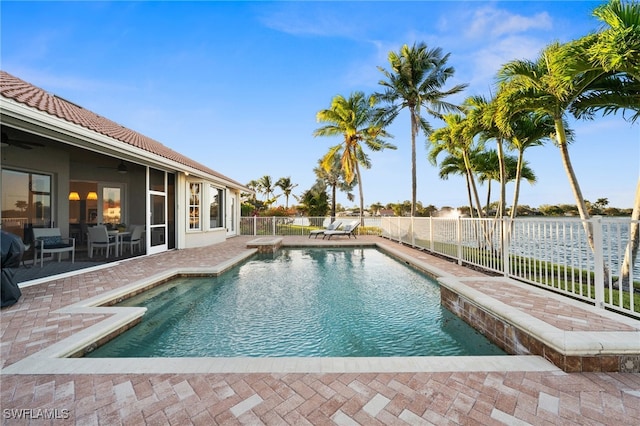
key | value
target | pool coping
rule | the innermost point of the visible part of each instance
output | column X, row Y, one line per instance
column 52, row 360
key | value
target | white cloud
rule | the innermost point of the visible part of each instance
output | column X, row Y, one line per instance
column 492, row 22
column 305, row 19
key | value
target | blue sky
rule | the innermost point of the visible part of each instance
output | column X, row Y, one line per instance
column 237, row 85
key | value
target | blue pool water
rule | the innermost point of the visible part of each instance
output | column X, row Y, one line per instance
column 300, row 302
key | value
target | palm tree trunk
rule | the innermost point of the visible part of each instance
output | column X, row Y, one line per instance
column 474, row 188
column 503, row 180
column 361, row 194
column 414, row 184
column 573, row 181
column 631, row 253
column 333, row 202
column 469, row 196
column 575, row 187
column 516, row 190
column 488, row 197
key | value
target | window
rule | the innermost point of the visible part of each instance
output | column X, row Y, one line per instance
column 26, row 201
column 194, row 205
column 112, row 205
column 216, row 207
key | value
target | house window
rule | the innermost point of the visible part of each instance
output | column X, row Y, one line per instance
column 26, row 201
column 216, row 217
column 194, row 205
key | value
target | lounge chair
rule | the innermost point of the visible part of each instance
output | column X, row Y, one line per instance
column 332, row 227
column 349, row 230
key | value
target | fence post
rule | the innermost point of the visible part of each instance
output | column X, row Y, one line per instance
column 273, row 225
column 459, row 238
column 431, row 237
column 506, row 230
column 598, row 260
column 413, row 233
column 255, row 225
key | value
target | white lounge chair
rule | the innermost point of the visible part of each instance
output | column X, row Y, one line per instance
column 331, row 227
column 349, row 230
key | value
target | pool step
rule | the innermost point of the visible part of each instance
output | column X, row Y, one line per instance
column 266, row 244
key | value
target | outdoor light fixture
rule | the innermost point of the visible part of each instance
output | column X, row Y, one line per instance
column 122, row 168
column 74, row 196
column 92, row 195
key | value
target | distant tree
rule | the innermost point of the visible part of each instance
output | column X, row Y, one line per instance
column 334, row 178
column 427, row 211
column 551, row 210
column 287, row 186
column 266, row 185
column 375, row 208
column 314, row 201
column 22, row 205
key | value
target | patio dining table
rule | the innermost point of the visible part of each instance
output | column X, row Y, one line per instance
column 119, row 237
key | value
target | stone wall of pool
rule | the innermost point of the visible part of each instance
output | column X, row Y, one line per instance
column 581, row 356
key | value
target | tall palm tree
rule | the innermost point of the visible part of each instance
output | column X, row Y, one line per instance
column 550, row 85
column 357, row 120
column 455, row 140
column 617, row 48
column 481, row 121
column 287, row 186
column 414, row 82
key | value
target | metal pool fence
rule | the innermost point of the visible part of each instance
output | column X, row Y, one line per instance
column 553, row 253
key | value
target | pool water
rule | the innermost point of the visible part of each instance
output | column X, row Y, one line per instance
column 300, row 302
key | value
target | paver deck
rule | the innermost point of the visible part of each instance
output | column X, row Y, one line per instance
column 437, row 392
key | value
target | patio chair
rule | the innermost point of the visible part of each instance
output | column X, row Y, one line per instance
column 349, row 230
column 49, row 240
column 99, row 238
column 331, row 227
column 135, row 239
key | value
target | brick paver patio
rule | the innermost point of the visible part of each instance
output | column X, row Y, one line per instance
column 447, row 397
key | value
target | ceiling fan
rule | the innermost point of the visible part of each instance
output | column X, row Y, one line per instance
column 24, row 144
column 121, row 168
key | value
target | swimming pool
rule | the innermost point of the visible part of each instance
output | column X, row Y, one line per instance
column 316, row 302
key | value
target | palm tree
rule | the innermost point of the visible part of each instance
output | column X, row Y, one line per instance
column 528, row 130
column 414, row 82
column 335, row 179
column 487, row 166
column 480, row 114
column 287, row 186
column 265, row 183
column 455, row 140
column 255, row 186
column 455, row 165
column 314, row 200
column 550, row 85
column 617, row 48
column 357, row 120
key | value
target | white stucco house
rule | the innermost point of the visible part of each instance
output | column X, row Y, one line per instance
column 67, row 167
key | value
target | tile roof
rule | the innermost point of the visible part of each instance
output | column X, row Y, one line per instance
column 20, row 91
